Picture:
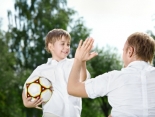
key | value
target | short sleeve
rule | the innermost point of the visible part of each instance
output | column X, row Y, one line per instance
column 97, row 87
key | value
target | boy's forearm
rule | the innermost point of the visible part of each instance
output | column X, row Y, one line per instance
column 83, row 72
column 74, row 76
column 24, row 98
column 75, row 87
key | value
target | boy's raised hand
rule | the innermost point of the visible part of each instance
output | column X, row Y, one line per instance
column 83, row 52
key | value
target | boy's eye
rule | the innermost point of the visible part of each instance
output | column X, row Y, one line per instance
column 68, row 44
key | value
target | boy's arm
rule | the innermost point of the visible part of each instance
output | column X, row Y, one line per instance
column 31, row 104
column 83, row 72
column 75, row 87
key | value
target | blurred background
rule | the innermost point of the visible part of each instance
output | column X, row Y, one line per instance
column 25, row 23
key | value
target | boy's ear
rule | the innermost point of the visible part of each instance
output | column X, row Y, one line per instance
column 50, row 46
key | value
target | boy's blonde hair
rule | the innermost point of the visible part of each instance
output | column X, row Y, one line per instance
column 54, row 35
column 143, row 44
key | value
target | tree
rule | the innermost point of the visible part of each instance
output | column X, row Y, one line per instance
column 28, row 26
column 79, row 31
column 32, row 21
column 9, row 80
column 153, row 36
column 108, row 59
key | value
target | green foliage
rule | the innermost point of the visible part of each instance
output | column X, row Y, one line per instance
column 28, row 26
column 107, row 60
column 33, row 20
column 153, row 36
column 9, row 90
column 78, row 32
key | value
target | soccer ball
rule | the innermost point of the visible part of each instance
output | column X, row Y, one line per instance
column 39, row 87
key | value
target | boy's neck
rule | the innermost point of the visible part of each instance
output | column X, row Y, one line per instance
column 58, row 60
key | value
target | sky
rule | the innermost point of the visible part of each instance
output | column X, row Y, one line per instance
column 111, row 21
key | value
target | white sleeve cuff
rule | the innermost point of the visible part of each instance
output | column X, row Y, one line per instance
column 89, row 89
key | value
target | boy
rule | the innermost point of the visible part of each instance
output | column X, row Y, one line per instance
column 57, row 70
column 131, row 91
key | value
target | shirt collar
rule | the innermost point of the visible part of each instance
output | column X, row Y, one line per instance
column 52, row 61
column 138, row 64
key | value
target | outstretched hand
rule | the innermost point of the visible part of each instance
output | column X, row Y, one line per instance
column 83, row 52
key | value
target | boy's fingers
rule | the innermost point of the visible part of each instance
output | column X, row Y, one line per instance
column 89, row 45
column 85, row 42
column 80, row 44
column 38, row 107
column 38, row 101
column 93, row 54
column 29, row 98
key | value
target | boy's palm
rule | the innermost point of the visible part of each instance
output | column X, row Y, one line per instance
column 83, row 51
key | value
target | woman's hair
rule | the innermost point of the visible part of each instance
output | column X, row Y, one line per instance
column 143, row 44
column 54, row 35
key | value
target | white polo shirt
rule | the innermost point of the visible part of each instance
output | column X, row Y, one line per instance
column 61, row 103
column 131, row 91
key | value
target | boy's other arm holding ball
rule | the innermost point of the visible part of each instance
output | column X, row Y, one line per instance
column 31, row 104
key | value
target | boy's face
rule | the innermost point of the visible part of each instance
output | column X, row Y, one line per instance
column 60, row 49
